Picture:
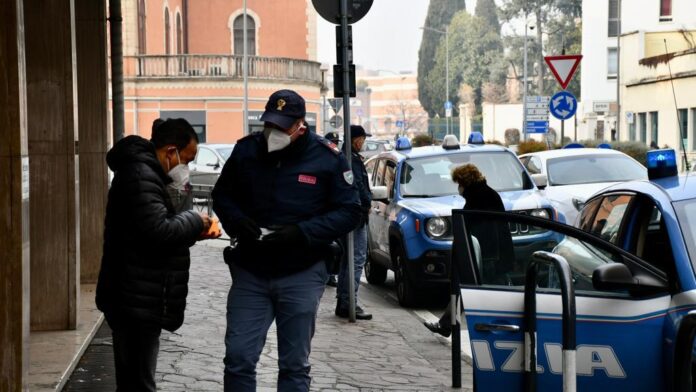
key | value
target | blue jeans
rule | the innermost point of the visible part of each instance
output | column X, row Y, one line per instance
column 360, row 255
column 252, row 305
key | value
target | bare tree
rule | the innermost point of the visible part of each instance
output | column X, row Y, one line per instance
column 407, row 108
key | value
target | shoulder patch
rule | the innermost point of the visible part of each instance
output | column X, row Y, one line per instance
column 348, row 176
column 328, row 144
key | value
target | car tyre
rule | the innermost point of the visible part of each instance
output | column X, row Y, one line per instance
column 374, row 273
column 405, row 289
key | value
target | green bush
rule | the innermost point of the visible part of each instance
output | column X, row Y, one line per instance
column 636, row 150
column 422, row 140
column 530, row 146
column 494, row 142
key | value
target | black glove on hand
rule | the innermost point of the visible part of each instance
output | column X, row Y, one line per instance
column 290, row 235
column 248, row 229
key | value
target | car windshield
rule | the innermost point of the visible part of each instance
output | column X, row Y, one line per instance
column 584, row 169
column 224, row 152
column 432, row 176
column 686, row 214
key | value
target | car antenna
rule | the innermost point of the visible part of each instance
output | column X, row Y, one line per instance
column 676, row 108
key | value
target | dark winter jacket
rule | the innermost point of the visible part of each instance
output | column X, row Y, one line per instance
column 497, row 251
column 144, row 272
column 363, row 184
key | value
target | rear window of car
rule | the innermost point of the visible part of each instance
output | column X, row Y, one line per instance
column 588, row 169
column 432, row 176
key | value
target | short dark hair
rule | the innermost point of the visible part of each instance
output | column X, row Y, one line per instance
column 176, row 131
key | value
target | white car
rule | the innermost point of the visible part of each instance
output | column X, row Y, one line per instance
column 570, row 176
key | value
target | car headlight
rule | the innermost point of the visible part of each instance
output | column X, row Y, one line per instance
column 540, row 213
column 436, row 227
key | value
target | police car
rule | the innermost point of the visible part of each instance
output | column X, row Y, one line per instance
column 632, row 270
column 413, row 195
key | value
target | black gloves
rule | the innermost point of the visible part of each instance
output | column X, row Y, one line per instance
column 247, row 229
column 286, row 236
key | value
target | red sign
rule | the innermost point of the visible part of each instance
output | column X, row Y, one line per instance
column 307, row 179
column 563, row 67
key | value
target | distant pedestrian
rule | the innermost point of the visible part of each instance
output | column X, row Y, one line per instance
column 654, row 146
column 286, row 194
column 358, row 136
column 144, row 273
column 495, row 238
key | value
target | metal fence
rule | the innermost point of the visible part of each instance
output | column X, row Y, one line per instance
column 221, row 66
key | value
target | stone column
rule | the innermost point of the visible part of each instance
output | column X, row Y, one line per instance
column 14, row 202
column 93, row 124
column 52, row 131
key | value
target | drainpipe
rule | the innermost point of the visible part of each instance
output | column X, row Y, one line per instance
column 116, row 32
column 185, row 6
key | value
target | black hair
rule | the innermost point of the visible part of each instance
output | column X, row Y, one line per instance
column 176, row 131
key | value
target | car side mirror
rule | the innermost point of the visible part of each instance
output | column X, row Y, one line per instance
column 215, row 165
column 617, row 277
column 380, row 193
column 540, row 180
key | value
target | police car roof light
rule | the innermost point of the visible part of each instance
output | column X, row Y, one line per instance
column 402, row 143
column 662, row 163
column 605, row 146
column 574, row 145
column 475, row 138
column 450, row 142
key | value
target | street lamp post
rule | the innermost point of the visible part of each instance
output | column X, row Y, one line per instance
column 445, row 32
column 524, row 83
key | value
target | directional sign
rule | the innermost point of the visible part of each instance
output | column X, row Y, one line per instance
column 400, row 124
column 336, row 121
column 537, row 126
column 336, row 104
column 563, row 105
column 563, row 67
column 537, row 109
column 331, row 10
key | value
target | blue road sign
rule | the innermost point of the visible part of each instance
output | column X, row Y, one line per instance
column 399, row 123
column 537, row 126
column 563, row 105
column 448, row 105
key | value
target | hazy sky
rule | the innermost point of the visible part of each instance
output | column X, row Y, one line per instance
column 387, row 38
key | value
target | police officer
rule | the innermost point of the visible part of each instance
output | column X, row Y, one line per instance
column 286, row 194
column 358, row 136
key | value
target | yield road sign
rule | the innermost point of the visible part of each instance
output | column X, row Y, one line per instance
column 563, row 105
column 563, row 67
column 336, row 121
column 336, row 104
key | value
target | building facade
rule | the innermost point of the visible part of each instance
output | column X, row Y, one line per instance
column 185, row 59
column 658, row 74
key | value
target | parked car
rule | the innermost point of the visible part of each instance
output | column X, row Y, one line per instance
column 373, row 147
column 413, row 196
column 206, row 168
column 631, row 268
column 572, row 175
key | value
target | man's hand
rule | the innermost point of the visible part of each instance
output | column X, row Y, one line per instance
column 287, row 236
column 206, row 221
column 247, row 229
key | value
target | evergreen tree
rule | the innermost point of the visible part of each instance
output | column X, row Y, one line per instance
column 440, row 14
column 488, row 11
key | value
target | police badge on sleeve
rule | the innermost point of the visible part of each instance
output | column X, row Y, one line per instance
column 348, row 176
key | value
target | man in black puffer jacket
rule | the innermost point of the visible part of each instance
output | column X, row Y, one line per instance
column 143, row 281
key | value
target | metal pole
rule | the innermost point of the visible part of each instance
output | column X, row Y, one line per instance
column 347, row 143
column 245, row 72
column 447, row 74
column 116, row 32
column 524, row 82
column 618, row 75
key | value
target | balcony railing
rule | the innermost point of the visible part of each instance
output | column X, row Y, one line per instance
column 220, row 66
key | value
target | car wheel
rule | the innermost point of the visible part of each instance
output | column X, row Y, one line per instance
column 374, row 273
column 405, row 290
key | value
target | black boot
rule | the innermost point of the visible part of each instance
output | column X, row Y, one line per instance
column 332, row 281
column 436, row 327
column 360, row 314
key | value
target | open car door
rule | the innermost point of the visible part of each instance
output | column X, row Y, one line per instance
column 620, row 319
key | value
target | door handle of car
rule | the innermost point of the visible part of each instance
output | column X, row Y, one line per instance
column 497, row 327
column 376, row 209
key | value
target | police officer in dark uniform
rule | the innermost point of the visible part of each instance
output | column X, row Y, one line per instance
column 357, row 136
column 286, row 194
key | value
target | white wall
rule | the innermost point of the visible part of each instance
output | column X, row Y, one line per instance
column 645, row 15
column 594, row 83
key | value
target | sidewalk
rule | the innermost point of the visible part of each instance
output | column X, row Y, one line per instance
column 391, row 352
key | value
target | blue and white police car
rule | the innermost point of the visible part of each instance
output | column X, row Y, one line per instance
column 413, row 196
column 632, row 270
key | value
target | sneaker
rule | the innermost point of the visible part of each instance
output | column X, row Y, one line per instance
column 332, row 281
column 436, row 327
column 360, row 314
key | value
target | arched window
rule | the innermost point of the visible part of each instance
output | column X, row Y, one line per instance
column 179, row 35
column 238, row 27
column 142, row 38
column 167, row 33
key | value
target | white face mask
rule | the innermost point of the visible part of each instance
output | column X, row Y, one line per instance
column 277, row 139
column 179, row 175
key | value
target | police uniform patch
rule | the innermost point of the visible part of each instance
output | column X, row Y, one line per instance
column 348, row 176
column 328, row 144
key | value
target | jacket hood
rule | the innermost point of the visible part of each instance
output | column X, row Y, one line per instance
column 133, row 149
